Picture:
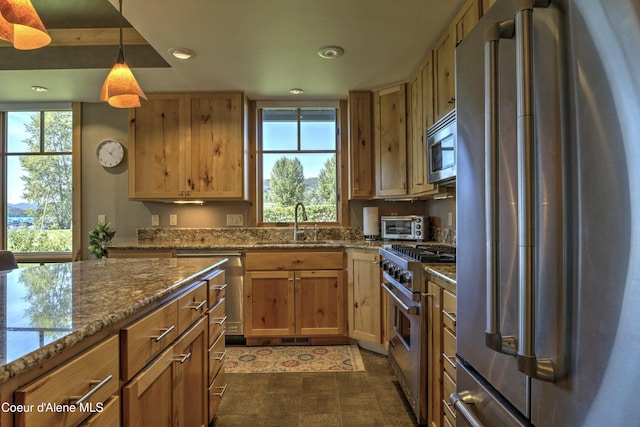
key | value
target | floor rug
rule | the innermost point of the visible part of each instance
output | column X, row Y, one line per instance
column 329, row 358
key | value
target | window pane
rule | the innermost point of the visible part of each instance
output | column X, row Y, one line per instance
column 57, row 131
column 39, row 203
column 279, row 129
column 318, row 129
column 309, row 178
column 23, row 132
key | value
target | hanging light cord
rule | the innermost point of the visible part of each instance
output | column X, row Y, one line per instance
column 121, row 23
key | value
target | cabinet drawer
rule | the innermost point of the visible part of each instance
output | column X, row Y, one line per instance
column 217, row 354
column 448, row 387
column 281, row 260
column 145, row 339
column 217, row 320
column 217, row 286
column 449, row 352
column 192, row 306
column 92, row 375
column 110, row 415
column 216, row 391
column 449, row 310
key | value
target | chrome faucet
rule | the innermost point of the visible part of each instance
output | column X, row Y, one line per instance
column 295, row 219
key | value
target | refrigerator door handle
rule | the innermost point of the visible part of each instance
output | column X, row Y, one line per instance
column 462, row 402
column 528, row 362
column 493, row 337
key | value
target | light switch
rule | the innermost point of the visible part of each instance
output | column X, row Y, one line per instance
column 173, row 219
column 102, row 219
column 236, row 220
column 155, row 220
column 449, row 219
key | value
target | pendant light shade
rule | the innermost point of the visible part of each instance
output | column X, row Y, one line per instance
column 120, row 89
column 21, row 26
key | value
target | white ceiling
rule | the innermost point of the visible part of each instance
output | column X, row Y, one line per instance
column 262, row 47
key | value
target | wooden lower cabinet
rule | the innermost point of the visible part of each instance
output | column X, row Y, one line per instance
column 364, row 295
column 319, row 302
column 173, row 382
column 441, row 356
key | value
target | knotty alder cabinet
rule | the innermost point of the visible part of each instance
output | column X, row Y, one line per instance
column 361, row 148
column 294, row 294
column 188, row 146
column 364, row 296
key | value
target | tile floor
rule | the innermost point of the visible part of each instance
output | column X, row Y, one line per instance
column 370, row 398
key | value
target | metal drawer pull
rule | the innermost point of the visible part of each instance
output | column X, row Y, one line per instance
column 222, row 356
column 449, row 359
column 450, row 316
column 99, row 385
column 164, row 334
column 199, row 305
column 183, row 358
column 220, row 320
column 461, row 401
column 222, row 390
column 219, row 287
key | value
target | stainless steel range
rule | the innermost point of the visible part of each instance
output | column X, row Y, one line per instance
column 404, row 282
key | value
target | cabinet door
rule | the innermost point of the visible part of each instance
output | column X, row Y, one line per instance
column 361, row 150
column 465, row 20
column 215, row 160
column 486, row 4
column 156, row 148
column 269, row 303
column 390, row 129
column 365, row 315
column 319, row 302
column 151, row 397
column 434, row 355
column 427, row 91
column 444, row 75
column 190, row 354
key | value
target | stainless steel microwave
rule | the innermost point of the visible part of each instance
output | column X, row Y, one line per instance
column 409, row 227
column 441, row 149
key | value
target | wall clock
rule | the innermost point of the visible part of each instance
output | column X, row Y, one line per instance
column 110, row 153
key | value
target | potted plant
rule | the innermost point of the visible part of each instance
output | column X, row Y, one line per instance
column 99, row 237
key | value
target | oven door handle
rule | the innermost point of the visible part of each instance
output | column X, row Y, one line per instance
column 415, row 310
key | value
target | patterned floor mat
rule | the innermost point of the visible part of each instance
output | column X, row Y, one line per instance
column 330, row 358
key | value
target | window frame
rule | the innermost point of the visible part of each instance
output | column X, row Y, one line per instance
column 76, row 236
column 339, row 110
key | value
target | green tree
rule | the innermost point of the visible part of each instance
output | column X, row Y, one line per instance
column 327, row 182
column 287, row 181
column 47, row 181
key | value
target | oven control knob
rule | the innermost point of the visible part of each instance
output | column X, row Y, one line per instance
column 391, row 270
column 402, row 278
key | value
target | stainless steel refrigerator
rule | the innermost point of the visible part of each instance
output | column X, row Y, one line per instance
column 548, row 215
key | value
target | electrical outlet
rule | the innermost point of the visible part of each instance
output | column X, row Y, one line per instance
column 173, row 219
column 155, row 220
column 450, row 219
column 236, row 220
column 102, row 219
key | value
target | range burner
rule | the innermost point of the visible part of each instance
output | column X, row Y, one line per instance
column 427, row 253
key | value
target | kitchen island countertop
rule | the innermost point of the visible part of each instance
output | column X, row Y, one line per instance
column 47, row 309
column 443, row 275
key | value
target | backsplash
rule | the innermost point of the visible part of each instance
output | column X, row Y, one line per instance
column 444, row 235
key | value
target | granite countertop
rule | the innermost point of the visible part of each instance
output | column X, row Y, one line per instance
column 265, row 244
column 443, row 274
column 46, row 309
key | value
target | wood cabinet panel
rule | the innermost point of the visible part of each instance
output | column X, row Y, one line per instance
column 465, row 20
column 427, row 91
column 319, row 302
column 364, row 297
column 216, row 287
column 143, row 340
column 216, row 391
column 192, row 306
column 287, row 260
column 444, row 75
column 217, row 319
column 361, row 146
column 156, row 150
column 96, row 368
column 390, row 132
column 191, row 355
column 217, row 353
column 269, row 303
column 486, row 4
column 109, row 417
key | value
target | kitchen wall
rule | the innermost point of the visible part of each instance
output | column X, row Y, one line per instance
column 105, row 191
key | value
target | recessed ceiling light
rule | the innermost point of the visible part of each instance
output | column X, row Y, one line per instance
column 181, row 52
column 39, row 88
column 330, row 52
column 296, row 91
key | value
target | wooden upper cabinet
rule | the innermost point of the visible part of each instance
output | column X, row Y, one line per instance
column 444, row 75
column 426, row 72
column 465, row 20
column 390, row 133
column 188, row 146
column 486, row 4
column 216, row 153
column 361, row 150
column 156, row 154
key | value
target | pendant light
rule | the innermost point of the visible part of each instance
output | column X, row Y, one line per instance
column 21, row 26
column 120, row 89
